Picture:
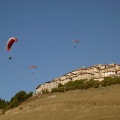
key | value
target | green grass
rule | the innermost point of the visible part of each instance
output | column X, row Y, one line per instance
column 102, row 103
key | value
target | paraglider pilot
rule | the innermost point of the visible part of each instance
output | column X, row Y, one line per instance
column 10, row 58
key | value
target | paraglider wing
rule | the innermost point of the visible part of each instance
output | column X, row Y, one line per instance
column 10, row 43
column 76, row 41
column 32, row 66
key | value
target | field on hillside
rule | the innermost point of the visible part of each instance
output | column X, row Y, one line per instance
column 92, row 104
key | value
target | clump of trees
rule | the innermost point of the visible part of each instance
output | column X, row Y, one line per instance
column 85, row 84
column 110, row 81
column 3, row 104
column 16, row 100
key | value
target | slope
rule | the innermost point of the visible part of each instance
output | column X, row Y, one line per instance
column 102, row 103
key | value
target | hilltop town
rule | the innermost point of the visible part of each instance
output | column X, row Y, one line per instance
column 96, row 72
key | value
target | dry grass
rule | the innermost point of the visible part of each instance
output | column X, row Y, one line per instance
column 91, row 104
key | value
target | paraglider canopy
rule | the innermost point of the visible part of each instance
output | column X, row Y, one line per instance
column 76, row 41
column 10, row 43
column 32, row 66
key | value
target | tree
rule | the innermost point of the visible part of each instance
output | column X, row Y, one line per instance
column 3, row 103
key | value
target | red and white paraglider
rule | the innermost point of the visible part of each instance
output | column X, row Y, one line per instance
column 9, row 44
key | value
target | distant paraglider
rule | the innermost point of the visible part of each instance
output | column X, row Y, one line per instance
column 9, row 44
column 32, row 67
column 76, row 41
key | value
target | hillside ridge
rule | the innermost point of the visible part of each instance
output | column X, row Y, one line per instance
column 95, row 72
column 102, row 103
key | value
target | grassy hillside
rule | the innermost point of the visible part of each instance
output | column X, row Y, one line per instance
column 102, row 103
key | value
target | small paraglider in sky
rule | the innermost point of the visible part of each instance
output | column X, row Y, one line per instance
column 32, row 67
column 76, row 41
column 9, row 44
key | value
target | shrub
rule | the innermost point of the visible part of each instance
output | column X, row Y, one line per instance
column 104, row 83
column 96, row 84
column 54, row 90
column 81, row 86
column 60, row 89
column 45, row 91
column 68, row 84
column 60, row 85
column 88, row 84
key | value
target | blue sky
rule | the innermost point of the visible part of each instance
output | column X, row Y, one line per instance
column 45, row 30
